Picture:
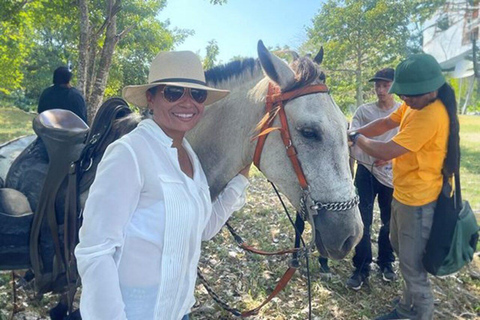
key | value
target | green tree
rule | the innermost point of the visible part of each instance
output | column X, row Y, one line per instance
column 211, row 56
column 15, row 44
column 36, row 36
column 360, row 36
column 109, row 43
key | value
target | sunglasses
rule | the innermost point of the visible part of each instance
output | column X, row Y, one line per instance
column 173, row 93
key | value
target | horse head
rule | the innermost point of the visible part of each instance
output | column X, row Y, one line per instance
column 317, row 130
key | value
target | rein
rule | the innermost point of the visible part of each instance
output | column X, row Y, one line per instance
column 275, row 106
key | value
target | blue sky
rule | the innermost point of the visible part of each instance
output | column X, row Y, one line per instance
column 238, row 25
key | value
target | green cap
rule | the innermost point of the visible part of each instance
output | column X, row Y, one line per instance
column 418, row 74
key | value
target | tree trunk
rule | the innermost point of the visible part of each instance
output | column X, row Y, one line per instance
column 359, row 80
column 83, row 46
column 359, row 88
column 92, row 57
column 105, row 61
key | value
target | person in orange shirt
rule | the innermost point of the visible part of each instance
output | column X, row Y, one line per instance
column 425, row 144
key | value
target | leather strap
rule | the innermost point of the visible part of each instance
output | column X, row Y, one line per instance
column 262, row 137
column 279, row 287
column 267, row 253
column 275, row 99
column 242, row 244
column 291, row 151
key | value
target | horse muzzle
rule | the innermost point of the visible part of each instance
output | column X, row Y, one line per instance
column 337, row 232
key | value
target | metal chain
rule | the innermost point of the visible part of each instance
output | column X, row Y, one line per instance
column 337, row 206
column 330, row 206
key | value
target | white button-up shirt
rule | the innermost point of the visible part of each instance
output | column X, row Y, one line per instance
column 144, row 221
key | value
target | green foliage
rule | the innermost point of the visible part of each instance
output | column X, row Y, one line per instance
column 135, row 52
column 220, row 2
column 14, row 46
column 38, row 36
column 360, row 37
column 211, row 56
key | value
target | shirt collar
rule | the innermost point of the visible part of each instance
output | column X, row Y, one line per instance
column 154, row 129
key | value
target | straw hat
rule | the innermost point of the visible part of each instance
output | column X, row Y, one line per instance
column 177, row 68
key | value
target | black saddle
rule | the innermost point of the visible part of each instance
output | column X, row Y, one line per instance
column 48, row 172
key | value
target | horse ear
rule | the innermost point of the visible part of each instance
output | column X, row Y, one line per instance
column 319, row 57
column 275, row 68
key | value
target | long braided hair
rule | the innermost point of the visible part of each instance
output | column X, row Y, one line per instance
column 452, row 161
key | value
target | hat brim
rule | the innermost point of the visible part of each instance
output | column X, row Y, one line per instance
column 380, row 79
column 414, row 88
column 137, row 94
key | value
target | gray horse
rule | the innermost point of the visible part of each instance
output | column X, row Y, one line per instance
column 225, row 142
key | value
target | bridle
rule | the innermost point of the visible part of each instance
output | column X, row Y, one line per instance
column 275, row 105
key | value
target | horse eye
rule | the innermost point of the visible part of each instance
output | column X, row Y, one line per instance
column 309, row 133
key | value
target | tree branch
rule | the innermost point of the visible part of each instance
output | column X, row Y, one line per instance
column 124, row 33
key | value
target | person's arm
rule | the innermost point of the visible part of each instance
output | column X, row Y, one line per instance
column 113, row 197
column 377, row 127
column 231, row 199
column 379, row 149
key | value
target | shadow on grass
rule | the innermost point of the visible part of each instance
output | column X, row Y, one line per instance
column 470, row 160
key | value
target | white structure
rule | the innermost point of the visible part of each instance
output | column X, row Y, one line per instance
column 448, row 37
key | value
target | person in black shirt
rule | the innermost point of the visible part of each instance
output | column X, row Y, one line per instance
column 62, row 95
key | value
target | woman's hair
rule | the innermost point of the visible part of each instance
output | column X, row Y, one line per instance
column 452, row 161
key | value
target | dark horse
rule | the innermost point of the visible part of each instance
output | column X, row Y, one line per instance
column 223, row 141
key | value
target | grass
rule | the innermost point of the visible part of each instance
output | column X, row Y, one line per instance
column 470, row 160
column 14, row 123
column 244, row 280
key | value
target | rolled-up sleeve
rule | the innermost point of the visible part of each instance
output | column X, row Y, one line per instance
column 113, row 198
column 231, row 199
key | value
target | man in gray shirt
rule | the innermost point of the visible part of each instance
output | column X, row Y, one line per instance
column 373, row 179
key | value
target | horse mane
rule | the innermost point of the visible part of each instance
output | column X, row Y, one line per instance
column 306, row 72
column 226, row 74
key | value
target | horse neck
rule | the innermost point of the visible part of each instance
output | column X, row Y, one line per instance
column 222, row 140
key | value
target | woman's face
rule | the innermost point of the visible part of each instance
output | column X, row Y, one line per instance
column 177, row 117
column 418, row 102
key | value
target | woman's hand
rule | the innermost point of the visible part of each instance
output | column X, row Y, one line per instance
column 245, row 171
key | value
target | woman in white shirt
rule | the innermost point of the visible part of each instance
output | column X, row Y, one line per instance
column 149, row 207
